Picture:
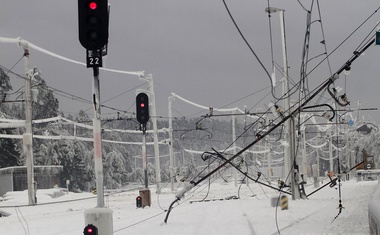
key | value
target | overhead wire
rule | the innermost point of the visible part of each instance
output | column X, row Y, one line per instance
column 302, row 5
column 64, row 94
column 14, row 64
column 344, row 41
column 323, row 37
column 305, row 53
column 75, row 97
column 249, row 46
column 245, row 40
column 324, row 42
column 275, row 65
column 271, row 39
column 324, row 85
column 138, row 222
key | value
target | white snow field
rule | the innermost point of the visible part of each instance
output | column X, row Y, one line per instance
column 251, row 214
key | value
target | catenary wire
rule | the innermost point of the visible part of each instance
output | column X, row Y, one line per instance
column 249, row 46
column 336, row 48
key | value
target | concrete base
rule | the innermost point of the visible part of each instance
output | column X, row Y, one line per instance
column 145, row 196
column 101, row 218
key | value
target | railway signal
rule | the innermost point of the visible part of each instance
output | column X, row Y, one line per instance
column 142, row 108
column 90, row 230
column 93, row 23
column 138, row 202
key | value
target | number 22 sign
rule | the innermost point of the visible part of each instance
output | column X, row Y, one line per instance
column 94, row 58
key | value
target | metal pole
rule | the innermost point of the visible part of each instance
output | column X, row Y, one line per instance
column 318, row 168
column 145, row 160
column 245, row 154
column 304, row 153
column 99, row 216
column 155, row 131
column 28, row 136
column 285, row 89
column 331, row 153
column 293, row 159
column 352, row 159
column 97, row 139
column 234, row 144
column 289, row 157
column 269, row 158
column 171, row 150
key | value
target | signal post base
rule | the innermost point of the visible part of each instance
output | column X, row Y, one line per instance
column 145, row 197
column 101, row 218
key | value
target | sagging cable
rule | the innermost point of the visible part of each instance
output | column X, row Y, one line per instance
column 323, row 86
column 228, row 161
column 179, row 196
column 329, row 117
column 333, row 181
column 341, row 100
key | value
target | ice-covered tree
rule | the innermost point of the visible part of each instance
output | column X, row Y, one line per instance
column 46, row 104
column 5, row 83
column 9, row 150
column 71, row 155
column 114, row 170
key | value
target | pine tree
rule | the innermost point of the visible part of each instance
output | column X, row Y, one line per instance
column 9, row 151
column 46, row 104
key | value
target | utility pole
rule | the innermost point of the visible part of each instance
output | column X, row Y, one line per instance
column 97, row 139
column 304, row 152
column 145, row 159
column 290, row 165
column 155, row 130
column 28, row 135
column 142, row 116
column 290, row 158
column 331, row 153
column 93, row 35
column 269, row 158
column 99, row 216
column 234, row 144
column 171, row 147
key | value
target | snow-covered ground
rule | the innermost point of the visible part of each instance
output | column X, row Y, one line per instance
column 251, row 214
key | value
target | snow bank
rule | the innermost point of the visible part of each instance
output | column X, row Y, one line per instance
column 374, row 213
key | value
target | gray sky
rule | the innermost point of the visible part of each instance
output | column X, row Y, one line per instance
column 192, row 49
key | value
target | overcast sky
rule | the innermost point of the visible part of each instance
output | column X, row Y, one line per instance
column 193, row 49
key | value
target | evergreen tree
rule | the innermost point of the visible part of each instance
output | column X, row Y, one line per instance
column 46, row 104
column 70, row 156
column 5, row 84
column 9, row 151
column 114, row 170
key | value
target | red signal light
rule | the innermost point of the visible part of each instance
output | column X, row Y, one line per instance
column 138, row 202
column 93, row 23
column 93, row 5
column 142, row 108
column 90, row 230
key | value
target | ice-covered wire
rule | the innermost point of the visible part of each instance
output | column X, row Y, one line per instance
column 323, row 37
column 68, row 95
column 250, row 47
column 138, row 222
column 10, row 70
column 336, row 48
